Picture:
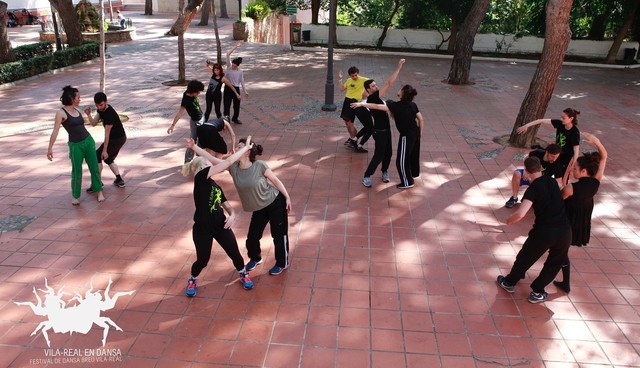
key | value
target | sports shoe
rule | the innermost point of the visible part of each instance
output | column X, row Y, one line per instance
column 246, row 282
column 236, row 121
column 402, row 186
column 192, row 287
column 562, row 286
column 385, row 177
column 90, row 190
column 360, row 149
column 537, row 297
column 511, row 202
column 351, row 143
column 251, row 265
column 276, row 270
column 119, row 183
column 366, row 181
column 503, row 284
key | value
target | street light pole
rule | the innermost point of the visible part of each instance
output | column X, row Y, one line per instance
column 328, row 87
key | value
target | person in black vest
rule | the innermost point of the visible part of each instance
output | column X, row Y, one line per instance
column 114, row 135
column 191, row 104
column 550, row 232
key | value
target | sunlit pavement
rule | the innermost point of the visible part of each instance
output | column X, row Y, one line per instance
column 379, row 277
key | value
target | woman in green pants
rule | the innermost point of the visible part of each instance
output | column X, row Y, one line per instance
column 81, row 144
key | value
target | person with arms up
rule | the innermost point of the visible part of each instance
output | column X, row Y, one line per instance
column 114, row 135
column 81, row 145
column 214, row 91
column 191, row 104
column 550, row 232
column 236, row 78
column 354, row 88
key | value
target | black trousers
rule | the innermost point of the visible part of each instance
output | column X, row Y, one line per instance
column 408, row 158
column 214, row 98
column 554, row 240
column 382, row 152
column 203, row 235
column 363, row 114
column 276, row 216
column 229, row 97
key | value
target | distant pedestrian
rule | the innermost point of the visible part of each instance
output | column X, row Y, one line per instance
column 214, row 91
column 236, row 77
column 81, row 145
column 550, row 232
column 191, row 104
column 114, row 135
column 578, row 199
column 209, row 219
column 567, row 137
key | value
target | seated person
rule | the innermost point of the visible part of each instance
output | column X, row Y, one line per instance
column 550, row 167
column 121, row 20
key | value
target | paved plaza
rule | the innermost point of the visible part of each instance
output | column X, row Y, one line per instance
column 379, row 277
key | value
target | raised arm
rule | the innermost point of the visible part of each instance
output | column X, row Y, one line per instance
column 340, row 84
column 528, row 125
column 231, row 52
column 590, row 138
column 92, row 120
column 218, row 164
column 392, row 78
column 228, row 127
column 370, row 106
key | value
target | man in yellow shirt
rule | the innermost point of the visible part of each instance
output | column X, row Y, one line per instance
column 354, row 86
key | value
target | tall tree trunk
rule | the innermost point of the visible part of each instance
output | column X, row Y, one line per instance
column 148, row 7
column 396, row 5
column 622, row 33
column 69, row 21
column 204, row 17
column 453, row 36
column 6, row 51
column 461, row 63
column 223, row 9
column 535, row 103
column 217, row 33
column 185, row 16
column 315, row 10
column 181, row 60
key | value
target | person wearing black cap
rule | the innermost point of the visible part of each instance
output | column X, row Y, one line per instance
column 236, row 77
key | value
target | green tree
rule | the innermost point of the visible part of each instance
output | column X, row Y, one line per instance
column 69, row 21
column 6, row 51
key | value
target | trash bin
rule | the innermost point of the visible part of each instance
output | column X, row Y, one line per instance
column 306, row 35
column 629, row 55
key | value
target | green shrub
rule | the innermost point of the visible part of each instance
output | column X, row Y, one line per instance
column 257, row 10
column 28, row 51
column 22, row 69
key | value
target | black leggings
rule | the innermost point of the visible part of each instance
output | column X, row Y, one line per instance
column 229, row 97
column 408, row 158
column 382, row 153
column 275, row 215
column 367, row 124
column 213, row 97
column 203, row 235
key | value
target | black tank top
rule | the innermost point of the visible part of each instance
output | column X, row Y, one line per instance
column 74, row 125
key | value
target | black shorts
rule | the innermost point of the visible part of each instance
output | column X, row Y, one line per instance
column 112, row 149
column 348, row 114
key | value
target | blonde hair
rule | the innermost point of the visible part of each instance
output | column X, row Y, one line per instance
column 195, row 165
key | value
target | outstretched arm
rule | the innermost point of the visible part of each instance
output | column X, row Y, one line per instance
column 392, row 78
column 218, row 164
column 370, row 106
column 590, row 138
column 175, row 119
column 232, row 50
column 528, row 125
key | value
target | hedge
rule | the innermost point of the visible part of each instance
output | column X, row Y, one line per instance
column 41, row 61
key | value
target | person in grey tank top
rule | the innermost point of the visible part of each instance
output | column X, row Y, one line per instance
column 81, row 145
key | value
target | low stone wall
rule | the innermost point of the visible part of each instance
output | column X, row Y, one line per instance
column 109, row 37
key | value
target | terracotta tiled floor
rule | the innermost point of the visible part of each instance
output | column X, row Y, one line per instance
column 378, row 278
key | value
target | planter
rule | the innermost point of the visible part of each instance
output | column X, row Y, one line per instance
column 240, row 31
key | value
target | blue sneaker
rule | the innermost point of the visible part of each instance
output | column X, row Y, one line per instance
column 246, row 282
column 192, row 287
column 251, row 265
column 276, row 270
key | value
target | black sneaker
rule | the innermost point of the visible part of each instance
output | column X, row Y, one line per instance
column 402, row 186
column 537, row 297
column 562, row 286
column 236, row 121
column 351, row 143
column 511, row 202
column 360, row 149
column 503, row 284
column 119, row 183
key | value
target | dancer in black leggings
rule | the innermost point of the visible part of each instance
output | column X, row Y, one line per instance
column 232, row 94
column 209, row 220
column 214, row 91
column 550, row 232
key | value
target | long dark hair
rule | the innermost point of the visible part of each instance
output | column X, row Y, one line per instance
column 254, row 151
column 219, row 67
column 572, row 113
column 408, row 93
column 590, row 161
column 68, row 94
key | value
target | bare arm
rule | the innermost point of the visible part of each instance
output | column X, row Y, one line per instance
column 269, row 174
column 59, row 118
column 228, row 127
column 93, row 121
column 340, row 84
column 520, row 212
column 526, row 127
column 232, row 50
column 175, row 120
column 107, row 133
column 228, row 84
column 244, row 89
column 218, row 164
column 231, row 218
column 590, row 138
column 392, row 78
column 370, row 106
column 567, row 191
column 420, row 122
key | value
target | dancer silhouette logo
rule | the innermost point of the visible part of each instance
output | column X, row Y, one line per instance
column 78, row 317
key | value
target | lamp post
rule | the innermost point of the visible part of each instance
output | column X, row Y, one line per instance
column 328, row 87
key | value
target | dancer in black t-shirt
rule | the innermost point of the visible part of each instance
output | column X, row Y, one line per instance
column 191, row 104
column 550, row 167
